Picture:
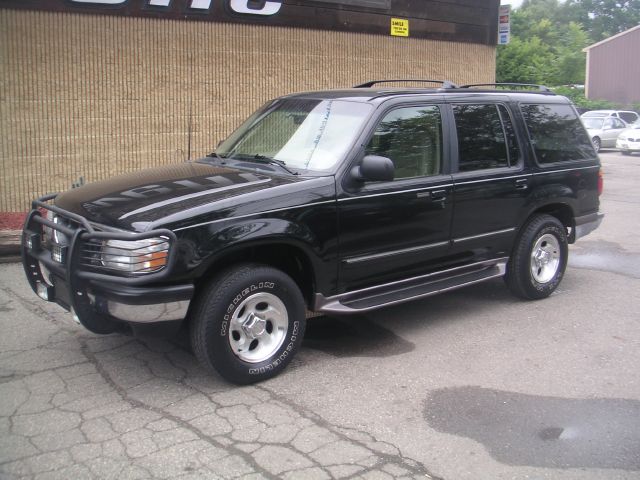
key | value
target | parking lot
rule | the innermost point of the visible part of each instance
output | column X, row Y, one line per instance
column 473, row 384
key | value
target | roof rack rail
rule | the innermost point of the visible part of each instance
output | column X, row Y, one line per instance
column 444, row 83
column 542, row 88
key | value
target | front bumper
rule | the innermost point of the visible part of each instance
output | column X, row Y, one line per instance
column 99, row 300
column 627, row 146
column 587, row 224
column 142, row 305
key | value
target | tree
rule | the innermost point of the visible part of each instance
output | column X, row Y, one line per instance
column 547, row 39
column 604, row 18
column 571, row 61
column 525, row 61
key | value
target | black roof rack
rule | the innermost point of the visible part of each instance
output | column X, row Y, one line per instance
column 444, row 83
column 542, row 88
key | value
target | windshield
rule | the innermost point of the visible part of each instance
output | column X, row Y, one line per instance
column 303, row 133
column 593, row 123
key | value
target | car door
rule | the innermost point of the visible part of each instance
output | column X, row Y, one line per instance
column 397, row 229
column 491, row 182
column 612, row 127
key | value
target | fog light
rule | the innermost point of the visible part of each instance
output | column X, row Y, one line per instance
column 43, row 291
column 32, row 240
column 59, row 253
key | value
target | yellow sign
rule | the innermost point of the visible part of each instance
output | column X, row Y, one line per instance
column 399, row 27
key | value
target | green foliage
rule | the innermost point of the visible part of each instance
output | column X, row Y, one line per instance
column 604, row 18
column 548, row 36
column 576, row 95
column 525, row 61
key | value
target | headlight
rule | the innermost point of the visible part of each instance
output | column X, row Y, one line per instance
column 135, row 256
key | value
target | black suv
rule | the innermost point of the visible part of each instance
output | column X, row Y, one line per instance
column 334, row 202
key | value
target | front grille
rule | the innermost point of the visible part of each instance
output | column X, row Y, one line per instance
column 98, row 253
column 56, row 239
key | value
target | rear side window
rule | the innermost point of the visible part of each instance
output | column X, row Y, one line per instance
column 486, row 138
column 629, row 117
column 556, row 133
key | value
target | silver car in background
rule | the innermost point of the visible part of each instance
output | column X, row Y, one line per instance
column 603, row 131
column 628, row 116
column 629, row 140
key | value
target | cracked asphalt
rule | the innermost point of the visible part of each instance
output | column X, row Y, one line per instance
column 473, row 384
column 79, row 406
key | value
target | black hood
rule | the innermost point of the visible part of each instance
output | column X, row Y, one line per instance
column 148, row 198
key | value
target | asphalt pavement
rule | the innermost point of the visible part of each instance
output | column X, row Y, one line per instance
column 474, row 384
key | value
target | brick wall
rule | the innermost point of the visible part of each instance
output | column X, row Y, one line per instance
column 91, row 96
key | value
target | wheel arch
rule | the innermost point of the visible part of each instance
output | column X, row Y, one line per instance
column 562, row 211
column 286, row 256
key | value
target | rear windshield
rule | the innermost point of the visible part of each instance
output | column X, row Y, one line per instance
column 556, row 133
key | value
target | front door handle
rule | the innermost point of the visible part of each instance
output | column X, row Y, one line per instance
column 439, row 195
column 522, row 184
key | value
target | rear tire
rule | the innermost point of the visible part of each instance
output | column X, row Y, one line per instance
column 248, row 323
column 539, row 258
column 597, row 143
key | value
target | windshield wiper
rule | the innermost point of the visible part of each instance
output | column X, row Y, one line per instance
column 219, row 157
column 271, row 161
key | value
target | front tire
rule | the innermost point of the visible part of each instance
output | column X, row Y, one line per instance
column 248, row 323
column 539, row 258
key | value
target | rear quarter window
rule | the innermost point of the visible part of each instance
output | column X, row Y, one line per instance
column 556, row 133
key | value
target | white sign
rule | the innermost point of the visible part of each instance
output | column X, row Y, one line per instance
column 239, row 6
column 504, row 26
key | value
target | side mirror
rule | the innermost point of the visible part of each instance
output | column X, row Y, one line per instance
column 374, row 168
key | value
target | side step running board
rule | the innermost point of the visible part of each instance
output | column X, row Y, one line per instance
column 411, row 288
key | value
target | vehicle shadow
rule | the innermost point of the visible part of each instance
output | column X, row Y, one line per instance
column 374, row 334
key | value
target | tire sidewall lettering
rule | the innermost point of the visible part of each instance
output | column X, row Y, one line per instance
column 282, row 356
column 224, row 325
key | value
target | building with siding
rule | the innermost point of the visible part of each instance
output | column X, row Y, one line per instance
column 613, row 68
column 92, row 88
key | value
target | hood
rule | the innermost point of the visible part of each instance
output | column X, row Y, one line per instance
column 141, row 200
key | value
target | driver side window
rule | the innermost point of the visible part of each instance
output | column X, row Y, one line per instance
column 412, row 138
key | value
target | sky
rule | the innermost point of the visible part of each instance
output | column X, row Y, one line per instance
column 513, row 3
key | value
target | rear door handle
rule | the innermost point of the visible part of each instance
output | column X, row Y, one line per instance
column 522, row 184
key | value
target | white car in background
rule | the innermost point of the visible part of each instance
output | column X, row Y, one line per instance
column 629, row 140
column 627, row 115
column 603, row 131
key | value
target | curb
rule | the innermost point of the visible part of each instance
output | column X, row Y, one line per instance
column 10, row 243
